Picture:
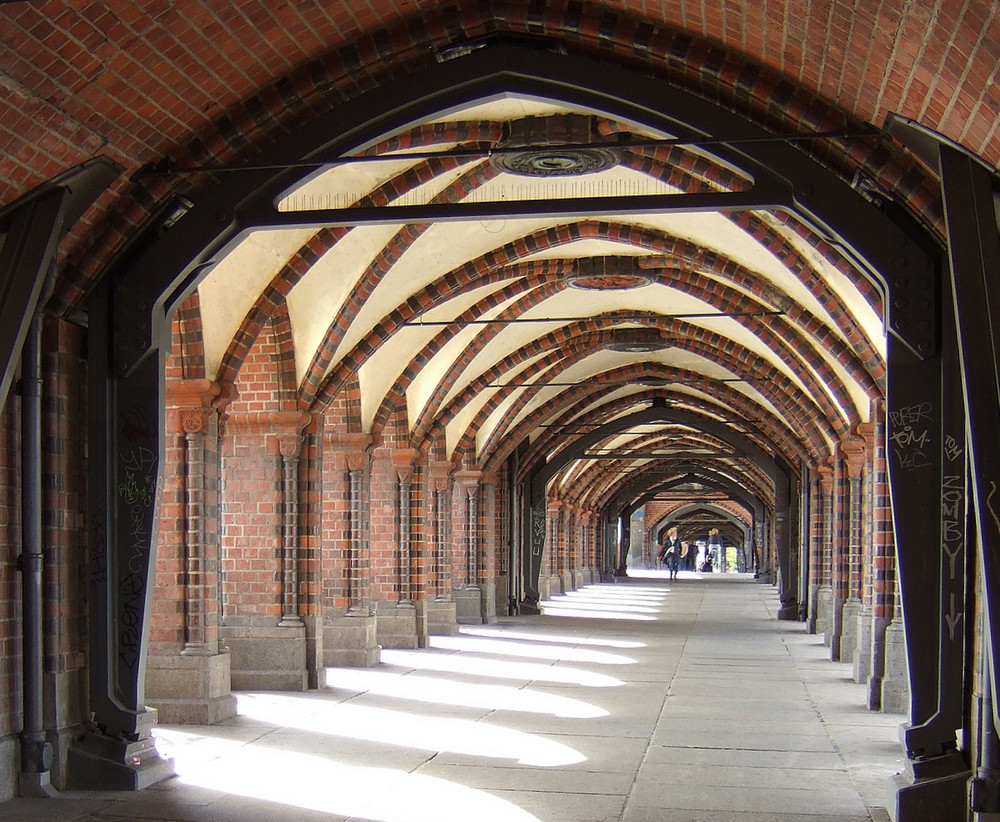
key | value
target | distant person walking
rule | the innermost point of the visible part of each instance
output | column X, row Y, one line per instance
column 672, row 552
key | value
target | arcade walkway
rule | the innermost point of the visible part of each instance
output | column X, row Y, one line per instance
column 641, row 701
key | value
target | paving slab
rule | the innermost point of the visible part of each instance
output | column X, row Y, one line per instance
column 637, row 701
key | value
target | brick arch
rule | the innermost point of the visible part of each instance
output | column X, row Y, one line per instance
column 554, row 236
column 665, row 513
column 284, row 345
column 595, row 478
column 187, row 354
column 589, row 478
column 791, row 259
column 595, row 415
column 504, row 438
column 537, row 278
column 366, row 284
column 299, row 263
column 344, row 412
column 584, row 413
column 580, row 338
column 599, row 497
column 538, row 288
column 255, row 116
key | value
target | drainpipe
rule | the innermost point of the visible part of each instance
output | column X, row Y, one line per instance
column 985, row 786
column 36, row 751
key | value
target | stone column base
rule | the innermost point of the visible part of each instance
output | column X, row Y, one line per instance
column 349, row 641
column 936, row 788
column 896, row 679
column 500, row 603
column 556, row 585
column 98, row 762
column 10, row 764
column 811, row 614
column 567, row 582
column 835, row 633
column 396, row 625
column 489, row 603
column 874, row 699
column 824, row 606
column 468, row 605
column 849, row 629
column 441, row 618
column 863, row 651
column 190, row 689
column 267, row 657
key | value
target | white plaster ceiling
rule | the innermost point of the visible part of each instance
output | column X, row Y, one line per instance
column 438, row 250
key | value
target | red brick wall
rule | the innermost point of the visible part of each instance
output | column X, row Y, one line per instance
column 64, row 450
column 251, row 491
column 383, row 522
column 251, row 526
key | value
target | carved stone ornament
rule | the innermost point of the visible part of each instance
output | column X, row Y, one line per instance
column 195, row 420
column 290, row 445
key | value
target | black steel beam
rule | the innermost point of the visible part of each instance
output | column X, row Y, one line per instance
column 763, row 196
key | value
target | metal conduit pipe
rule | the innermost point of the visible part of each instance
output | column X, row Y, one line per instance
column 985, row 787
column 36, row 751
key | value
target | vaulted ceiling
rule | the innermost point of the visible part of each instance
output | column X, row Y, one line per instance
column 507, row 328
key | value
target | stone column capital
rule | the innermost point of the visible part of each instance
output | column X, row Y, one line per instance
column 192, row 393
column 195, row 420
column 439, row 472
column 352, row 448
column 402, row 461
column 469, row 479
column 855, row 454
column 825, row 475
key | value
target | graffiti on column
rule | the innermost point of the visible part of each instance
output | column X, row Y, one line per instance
column 953, row 513
column 952, row 528
column 910, row 437
column 136, row 494
column 538, row 520
column 98, row 548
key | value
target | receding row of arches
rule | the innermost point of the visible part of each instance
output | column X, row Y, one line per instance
column 418, row 363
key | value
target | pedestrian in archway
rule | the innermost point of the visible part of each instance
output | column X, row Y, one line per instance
column 672, row 552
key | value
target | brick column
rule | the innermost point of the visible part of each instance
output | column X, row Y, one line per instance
column 883, row 572
column 466, row 544
column 261, row 622
column 188, row 672
column 815, row 549
column 488, row 532
column 289, row 446
column 839, row 558
column 349, row 623
column 855, row 456
column 441, row 609
column 824, row 520
column 391, row 520
column 862, row 658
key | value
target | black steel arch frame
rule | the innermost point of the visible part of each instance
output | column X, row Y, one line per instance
column 130, row 310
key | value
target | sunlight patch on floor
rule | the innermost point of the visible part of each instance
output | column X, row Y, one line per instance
column 405, row 729
column 443, row 692
column 501, row 646
column 497, row 668
column 321, row 784
column 504, row 633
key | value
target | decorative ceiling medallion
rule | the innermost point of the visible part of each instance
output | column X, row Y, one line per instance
column 557, row 146
column 607, row 282
column 564, row 162
column 637, row 341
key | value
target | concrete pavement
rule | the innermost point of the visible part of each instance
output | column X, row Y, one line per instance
column 640, row 701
